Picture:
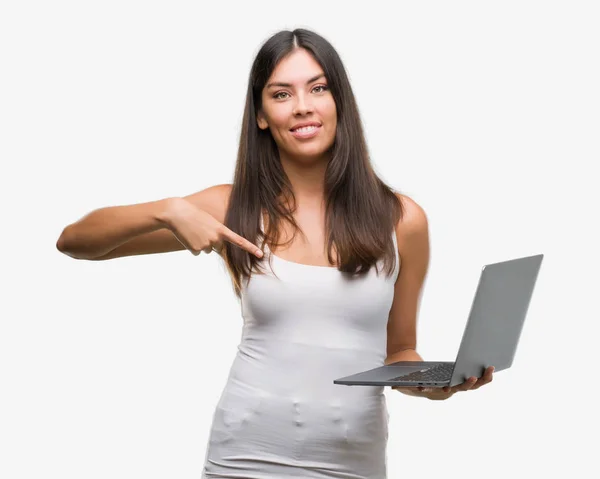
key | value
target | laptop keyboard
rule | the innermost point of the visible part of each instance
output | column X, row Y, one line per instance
column 440, row 373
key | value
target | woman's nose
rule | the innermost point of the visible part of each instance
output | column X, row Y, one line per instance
column 303, row 105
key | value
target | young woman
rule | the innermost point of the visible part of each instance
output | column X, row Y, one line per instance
column 328, row 263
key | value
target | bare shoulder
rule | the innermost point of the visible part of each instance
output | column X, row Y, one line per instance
column 214, row 200
column 413, row 224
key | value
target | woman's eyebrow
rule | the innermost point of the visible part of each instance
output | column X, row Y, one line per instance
column 289, row 85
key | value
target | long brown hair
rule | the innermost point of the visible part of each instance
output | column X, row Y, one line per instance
column 361, row 211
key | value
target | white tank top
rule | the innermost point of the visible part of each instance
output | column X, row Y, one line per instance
column 280, row 415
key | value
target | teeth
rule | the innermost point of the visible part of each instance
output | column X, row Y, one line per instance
column 305, row 129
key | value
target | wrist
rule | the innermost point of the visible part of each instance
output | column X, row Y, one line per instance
column 166, row 211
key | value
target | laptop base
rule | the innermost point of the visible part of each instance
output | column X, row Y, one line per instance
column 392, row 375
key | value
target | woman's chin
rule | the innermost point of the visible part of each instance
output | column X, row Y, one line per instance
column 314, row 150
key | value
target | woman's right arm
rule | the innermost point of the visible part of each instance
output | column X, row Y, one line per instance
column 128, row 230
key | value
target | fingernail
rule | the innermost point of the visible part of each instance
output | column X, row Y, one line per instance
column 259, row 253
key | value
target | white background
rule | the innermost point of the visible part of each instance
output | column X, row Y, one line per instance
column 486, row 113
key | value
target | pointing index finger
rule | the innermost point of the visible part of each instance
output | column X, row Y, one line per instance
column 243, row 243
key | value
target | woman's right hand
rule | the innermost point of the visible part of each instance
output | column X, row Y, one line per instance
column 199, row 231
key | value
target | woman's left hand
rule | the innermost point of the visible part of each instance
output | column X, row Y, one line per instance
column 438, row 394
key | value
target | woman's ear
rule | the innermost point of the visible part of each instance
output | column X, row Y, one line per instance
column 261, row 121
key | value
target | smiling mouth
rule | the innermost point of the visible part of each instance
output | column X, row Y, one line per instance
column 305, row 131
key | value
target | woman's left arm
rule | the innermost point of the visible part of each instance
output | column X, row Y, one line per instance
column 412, row 233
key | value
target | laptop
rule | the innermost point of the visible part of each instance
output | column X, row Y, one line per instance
column 490, row 338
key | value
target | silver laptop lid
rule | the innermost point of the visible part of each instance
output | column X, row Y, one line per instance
column 497, row 315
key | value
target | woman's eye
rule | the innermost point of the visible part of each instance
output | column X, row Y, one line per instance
column 278, row 97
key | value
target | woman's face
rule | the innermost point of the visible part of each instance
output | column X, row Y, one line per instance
column 297, row 92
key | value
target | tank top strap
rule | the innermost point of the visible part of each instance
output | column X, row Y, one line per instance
column 262, row 229
column 395, row 241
